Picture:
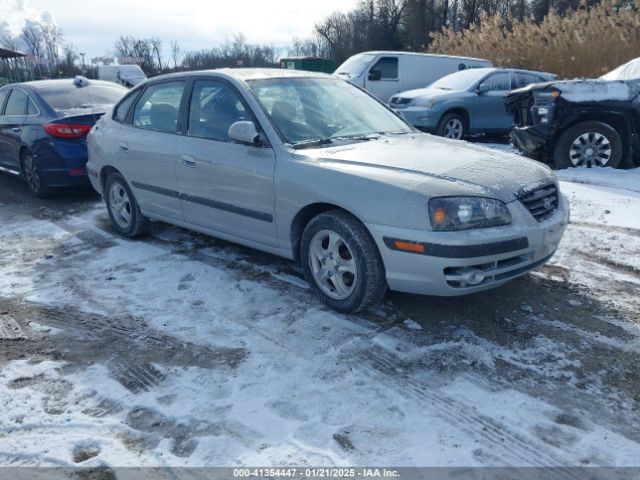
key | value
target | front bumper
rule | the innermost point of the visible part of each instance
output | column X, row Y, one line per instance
column 533, row 139
column 425, row 119
column 500, row 253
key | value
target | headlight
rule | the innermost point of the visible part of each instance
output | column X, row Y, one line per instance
column 542, row 108
column 464, row 213
column 424, row 102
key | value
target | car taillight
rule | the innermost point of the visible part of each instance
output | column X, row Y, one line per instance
column 66, row 130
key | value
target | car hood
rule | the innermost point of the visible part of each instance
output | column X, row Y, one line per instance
column 596, row 90
column 436, row 166
column 427, row 93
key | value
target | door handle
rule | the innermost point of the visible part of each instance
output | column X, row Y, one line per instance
column 16, row 129
column 124, row 147
column 188, row 161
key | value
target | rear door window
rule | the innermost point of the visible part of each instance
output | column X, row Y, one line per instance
column 521, row 80
column 388, row 67
column 17, row 103
column 158, row 107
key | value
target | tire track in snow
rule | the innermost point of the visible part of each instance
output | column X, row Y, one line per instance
column 378, row 364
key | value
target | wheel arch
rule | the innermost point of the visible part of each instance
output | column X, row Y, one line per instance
column 304, row 216
column 619, row 121
column 105, row 172
column 22, row 151
column 463, row 112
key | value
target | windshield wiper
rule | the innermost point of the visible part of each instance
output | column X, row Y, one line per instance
column 312, row 143
column 397, row 133
column 326, row 141
column 364, row 138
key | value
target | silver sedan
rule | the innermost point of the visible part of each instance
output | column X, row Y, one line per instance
column 312, row 168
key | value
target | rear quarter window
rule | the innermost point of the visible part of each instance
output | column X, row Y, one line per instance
column 122, row 109
column 3, row 96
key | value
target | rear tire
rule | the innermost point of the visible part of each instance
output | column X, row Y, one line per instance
column 342, row 263
column 124, row 212
column 31, row 174
column 452, row 125
column 588, row 144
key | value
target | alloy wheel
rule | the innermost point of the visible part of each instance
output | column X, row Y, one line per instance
column 332, row 264
column 590, row 149
column 454, row 129
column 120, row 205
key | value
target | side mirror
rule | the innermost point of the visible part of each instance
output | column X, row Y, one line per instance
column 244, row 132
column 375, row 74
column 482, row 88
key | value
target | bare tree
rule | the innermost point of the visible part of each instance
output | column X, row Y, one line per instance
column 10, row 42
column 156, row 48
column 176, row 53
column 33, row 39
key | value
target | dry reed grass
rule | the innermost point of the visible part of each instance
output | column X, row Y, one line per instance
column 583, row 43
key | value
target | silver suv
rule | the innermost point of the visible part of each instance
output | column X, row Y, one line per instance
column 312, row 168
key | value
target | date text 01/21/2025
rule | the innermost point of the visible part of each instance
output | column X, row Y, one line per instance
column 313, row 473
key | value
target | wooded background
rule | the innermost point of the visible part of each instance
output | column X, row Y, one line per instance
column 571, row 38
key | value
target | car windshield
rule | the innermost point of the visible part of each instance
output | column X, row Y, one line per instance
column 64, row 98
column 324, row 110
column 458, row 81
column 355, row 65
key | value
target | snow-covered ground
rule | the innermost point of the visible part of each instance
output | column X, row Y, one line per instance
column 185, row 350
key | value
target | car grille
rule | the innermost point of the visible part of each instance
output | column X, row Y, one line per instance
column 541, row 202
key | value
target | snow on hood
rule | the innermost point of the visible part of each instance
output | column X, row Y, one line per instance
column 88, row 110
column 452, row 167
column 627, row 71
column 597, row 90
column 587, row 90
column 425, row 92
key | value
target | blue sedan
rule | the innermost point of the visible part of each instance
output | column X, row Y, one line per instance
column 465, row 103
column 43, row 126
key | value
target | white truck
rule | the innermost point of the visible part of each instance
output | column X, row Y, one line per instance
column 385, row 73
column 127, row 75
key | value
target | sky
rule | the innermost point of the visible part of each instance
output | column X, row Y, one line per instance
column 94, row 26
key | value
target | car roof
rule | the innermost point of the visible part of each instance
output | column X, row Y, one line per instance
column 244, row 74
column 399, row 52
column 485, row 70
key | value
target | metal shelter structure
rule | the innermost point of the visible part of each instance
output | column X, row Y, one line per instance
column 14, row 67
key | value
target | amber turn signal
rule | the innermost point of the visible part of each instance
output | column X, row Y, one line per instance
column 409, row 246
column 439, row 215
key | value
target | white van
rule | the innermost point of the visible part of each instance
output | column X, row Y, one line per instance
column 127, row 75
column 384, row 74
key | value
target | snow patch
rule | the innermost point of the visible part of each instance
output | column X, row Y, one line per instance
column 596, row 91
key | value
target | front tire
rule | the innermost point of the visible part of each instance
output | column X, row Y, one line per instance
column 124, row 212
column 452, row 125
column 588, row 144
column 31, row 174
column 342, row 263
